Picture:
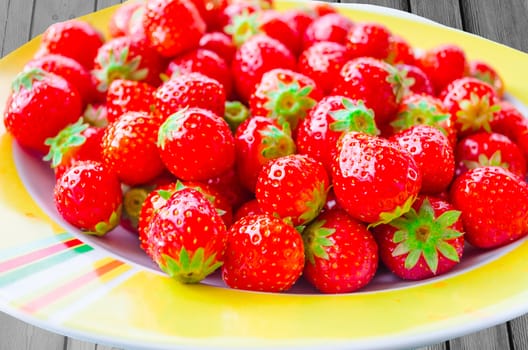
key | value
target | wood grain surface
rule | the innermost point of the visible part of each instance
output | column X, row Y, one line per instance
column 504, row 21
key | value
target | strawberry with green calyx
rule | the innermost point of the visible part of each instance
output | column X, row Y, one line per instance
column 472, row 104
column 427, row 241
column 433, row 154
column 511, row 122
column 129, row 148
column 293, row 187
column 235, row 114
column 39, row 106
column 128, row 96
column 494, row 205
column 485, row 72
column 172, row 26
column 186, row 237
column 89, row 197
column 188, row 91
column 196, row 144
column 377, row 83
column 341, row 254
column 72, row 71
column 154, row 200
column 374, row 180
column 263, row 254
column 76, row 142
column 284, row 95
column 127, row 58
column 257, row 141
column 489, row 149
column 133, row 200
column 269, row 22
column 418, row 109
column 217, row 199
column 418, row 81
column 327, row 121
column 96, row 115
column 254, row 58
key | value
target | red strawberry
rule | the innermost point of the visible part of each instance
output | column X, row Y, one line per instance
column 151, row 203
column 419, row 81
column 341, row 254
column 443, row 64
column 205, row 62
column 39, row 106
column 75, row 39
column 368, row 39
column 128, row 96
column 129, row 148
column 327, row 121
column 217, row 200
column 374, row 179
column 186, row 237
column 173, row 26
column 220, row 43
column 230, row 187
column 269, row 22
column 76, row 142
column 494, row 205
column 433, row 154
column 293, row 187
column 511, row 122
column 322, row 62
column 375, row 82
column 127, row 58
column 485, row 149
column 72, row 71
column 416, row 109
column 472, row 104
column 257, row 141
column 255, row 57
column 400, row 51
column 196, row 144
column 299, row 19
column 263, row 254
column 483, row 71
column 189, row 90
column 284, row 95
column 89, row 197
column 250, row 207
column 330, row 27
column 120, row 20
column 427, row 241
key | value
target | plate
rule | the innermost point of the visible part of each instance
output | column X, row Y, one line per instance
column 105, row 290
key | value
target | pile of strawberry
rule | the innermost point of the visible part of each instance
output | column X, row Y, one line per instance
column 274, row 144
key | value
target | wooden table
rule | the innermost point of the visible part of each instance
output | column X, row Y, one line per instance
column 503, row 21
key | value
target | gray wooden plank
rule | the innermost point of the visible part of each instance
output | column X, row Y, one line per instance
column 51, row 11
column 519, row 332
column 498, row 20
column 446, row 12
column 101, row 4
column 17, row 335
column 440, row 346
column 395, row 4
column 18, row 24
column 495, row 338
column 4, row 5
column 74, row 344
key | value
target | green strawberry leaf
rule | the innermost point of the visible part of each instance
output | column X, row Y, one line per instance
column 316, row 239
column 289, row 103
column 476, row 113
column 189, row 267
column 68, row 138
